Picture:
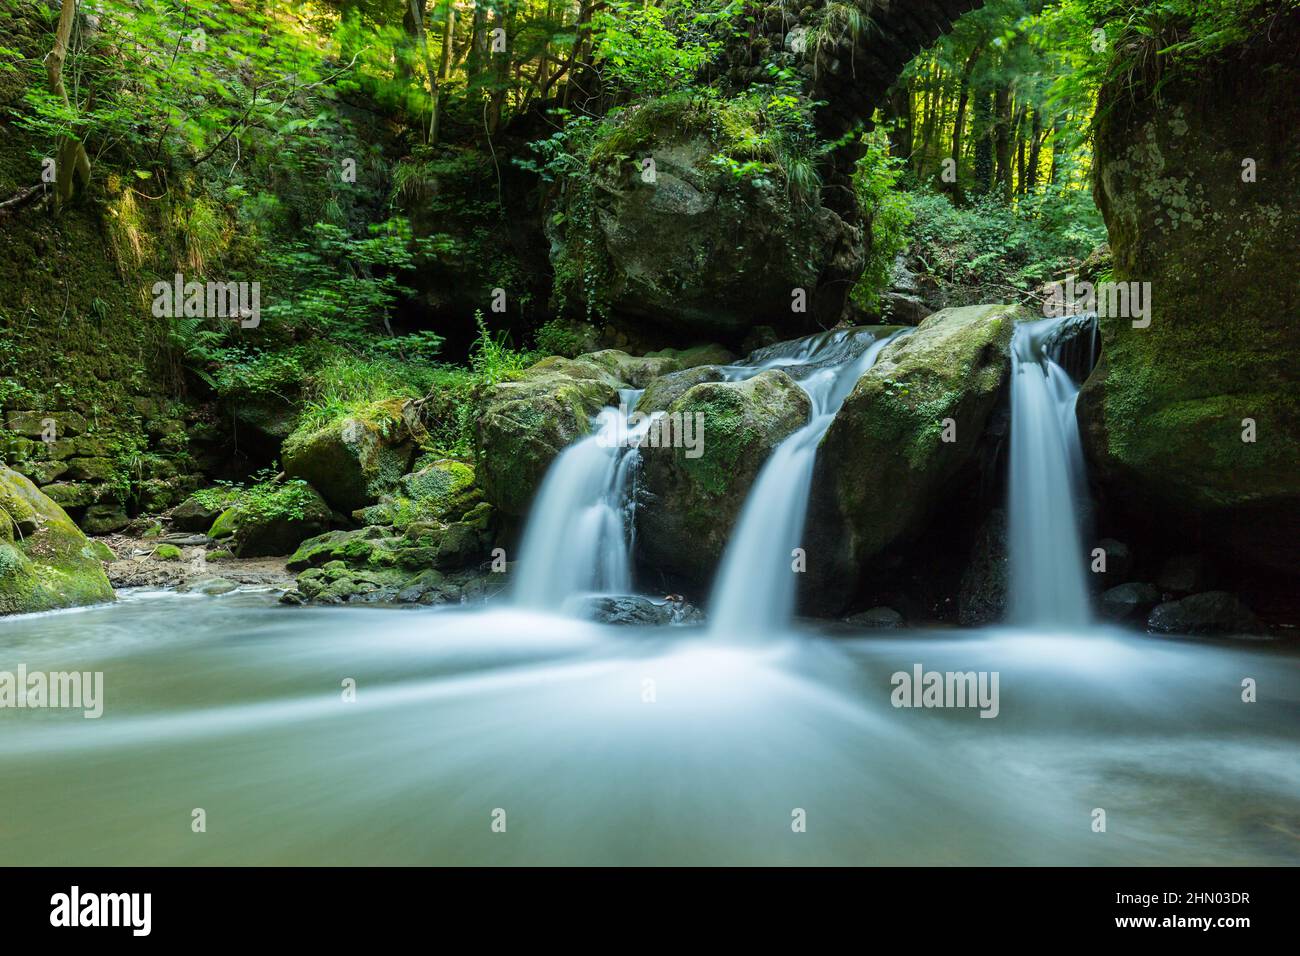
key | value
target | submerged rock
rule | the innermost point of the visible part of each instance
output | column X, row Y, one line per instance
column 45, row 560
column 634, row 610
column 1213, row 612
column 876, row 617
column 692, row 498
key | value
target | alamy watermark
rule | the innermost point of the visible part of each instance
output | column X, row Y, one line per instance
column 922, row 688
column 74, row 690
column 209, row 300
column 655, row 430
column 1117, row 300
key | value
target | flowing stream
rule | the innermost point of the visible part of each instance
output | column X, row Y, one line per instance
column 459, row 714
column 1047, row 487
column 579, row 534
column 755, row 589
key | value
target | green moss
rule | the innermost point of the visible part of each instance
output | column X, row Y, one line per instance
column 167, row 552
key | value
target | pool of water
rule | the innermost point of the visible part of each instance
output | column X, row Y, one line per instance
column 503, row 737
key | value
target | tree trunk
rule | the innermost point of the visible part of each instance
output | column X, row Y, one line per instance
column 899, row 106
column 959, row 123
column 1035, row 150
column 1002, row 141
column 72, row 163
column 983, row 142
column 444, row 67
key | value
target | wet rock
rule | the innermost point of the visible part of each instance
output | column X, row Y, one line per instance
column 634, row 610
column 1132, row 601
column 899, row 308
column 691, row 498
column 885, row 466
column 876, row 617
column 209, row 586
column 525, row 423
column 982, row 598
column 1213, row 612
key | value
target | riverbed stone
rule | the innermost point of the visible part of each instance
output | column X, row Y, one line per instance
column 1131, row 601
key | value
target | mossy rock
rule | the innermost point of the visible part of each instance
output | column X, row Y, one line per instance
column 167, row 552
column 45, row 560
column 637, row 371
column 354, row 460
column 1164, row 412
column 663, row 391
column 690, row 504
column 706, row 354
column 197, row 513
column 266, row 522
column 698, row 252
column 103, row 519
column 354, row 548
column 525, row 423
column 90, row 469
column 884, row 468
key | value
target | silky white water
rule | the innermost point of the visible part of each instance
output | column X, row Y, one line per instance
column 1047, row 487
column 460, row 713
column 754, row 592
column 578, row 539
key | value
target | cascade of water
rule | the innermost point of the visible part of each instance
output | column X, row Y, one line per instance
column 578, row 539
column 1047, row 493
column 755, row 588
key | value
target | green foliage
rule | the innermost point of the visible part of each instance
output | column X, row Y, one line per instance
column 557, row 337
column 991, row 251
column 639, row 52
column 264, row 499
column 888, row 212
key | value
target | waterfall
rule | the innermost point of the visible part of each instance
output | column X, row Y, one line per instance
column 1048, row 491
column 755, row 589
column 578, row 539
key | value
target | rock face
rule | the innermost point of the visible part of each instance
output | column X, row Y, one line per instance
column 983, row 596
column 1165, row 412
column 884, row 464
column 354, row 460
column 700, row 251
column 45, row 560
column 634, row 610
column 525, row 423
column 689, row 504
column 1214, row 612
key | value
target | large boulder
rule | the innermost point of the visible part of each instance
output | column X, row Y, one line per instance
column 689, row 504
column 886, row 464
column 1213, row 612
column 524, row 423
column 354, row 460
column 45, row 560
column 698, row 248
column 1199, row 184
